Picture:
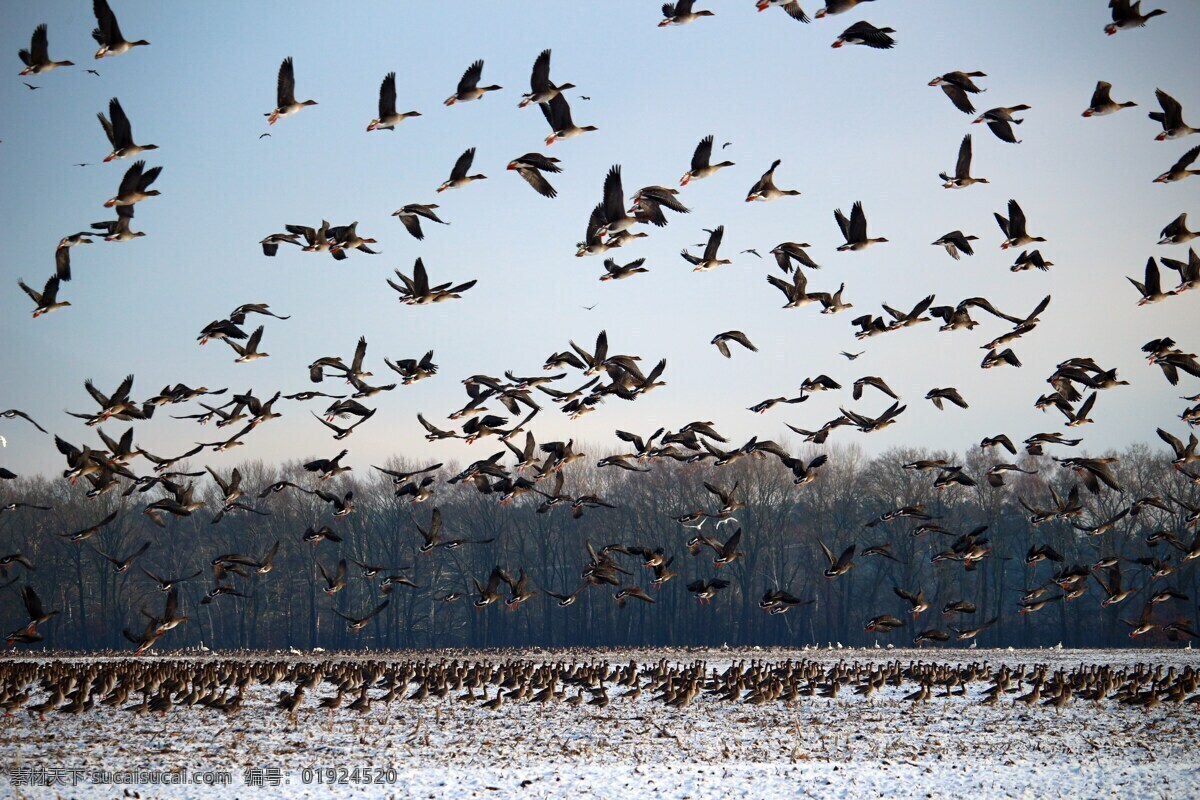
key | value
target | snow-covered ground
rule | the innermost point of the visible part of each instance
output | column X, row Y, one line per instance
column 822, row 748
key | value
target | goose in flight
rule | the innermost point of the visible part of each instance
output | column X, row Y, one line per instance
column 702, row 166
column 1180, row 170
column 37, row 57
column 721, row 340
column 285, row 94
column 411, row 214
column 388, row 119
column 120, row 133
column 1000, row 121
column 541, row 88
column 458, row 174
column 765, row 189
column 1013, row 227
column 863, row 32
column 530, row 167
column 842, row 564
column 108, row 34
column 838, row 7
column 956, row 242
column 1177, row 232
column 680, row 13
column 962, row 169
column 615, row 272
column 709, row 260
column 855, row 229
column 1102, row 103
column 1171, row 118
column 558, row 116
column 956, row 85
column 468, row 86
column 249, row 351
column 135, row 185
column 791, row 7
column 47, row 300
column 1127, row 15
column 1151, row 288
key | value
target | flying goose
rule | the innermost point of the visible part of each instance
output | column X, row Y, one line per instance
column 838, row 7
column 1031, row 259
column 1013, row 227
column 388, row 119
column 356, row 624
column 842, row 564
column 135, row 185
column 285, row 94
column 701, row 162
column 37, row 57
column 615, row 272
column 863, row 32
column 558, row 115
column 709, row 260
column 1171, row 118
column 410, row 216
column 1000, row 121
column 328, row 467
column 616, row 219
column 530, row 167
column 1177, row 231
column 962, row 170
column 721, row 340
column 796, row 291
column 949, row 394
column 417, row 291
column 249, row 351
column 541, row 88
column 956, row 242
column 792, row 7
column 1126, row 15
column 47, row 300
column 764, row 188
column 1189, row 271
column 458, row 175
column 854, row 229
column 1180, row 170
column 649, row 202
column 120, row 133
column 956, row 85
column 108, row 34
column 1151, row 290
column 468, row 86
column 680, row 13
column 1102, row 102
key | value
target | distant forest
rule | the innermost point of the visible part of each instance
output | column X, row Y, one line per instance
column 783, row 529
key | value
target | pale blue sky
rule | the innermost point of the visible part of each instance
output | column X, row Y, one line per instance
column 849, row 124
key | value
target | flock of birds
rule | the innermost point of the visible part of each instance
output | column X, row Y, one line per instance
column 537, row 470
column 228, row 686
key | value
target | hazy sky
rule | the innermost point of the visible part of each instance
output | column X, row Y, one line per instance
column 849, row 124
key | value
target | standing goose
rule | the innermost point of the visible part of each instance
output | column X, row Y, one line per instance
column 108, row 34
column 558, row 114
column 1126, row 15
column 863, row 32
column 468, row 86
column 530, row 167
column 765, row 188
column 1171, row 118
column 709, row 260
column 285, row 94
column 962, row 170
column 680, row 13
column 48, row 300
column 701, row 168
column 120, row 133
column 1102, row 102
column 792, row 7
column 1180, row 170
column 1000, row 121
column 458, row 175
column 134, row 186
column 855, row 229
column 388, row 119
column 541, row 88
column 1177, row 232
column 1014, row 228
column 956, row 85
column 410, row 215
column 1151, row 290
column 37, row 57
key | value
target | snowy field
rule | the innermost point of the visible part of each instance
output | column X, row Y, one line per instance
column 848, row 746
